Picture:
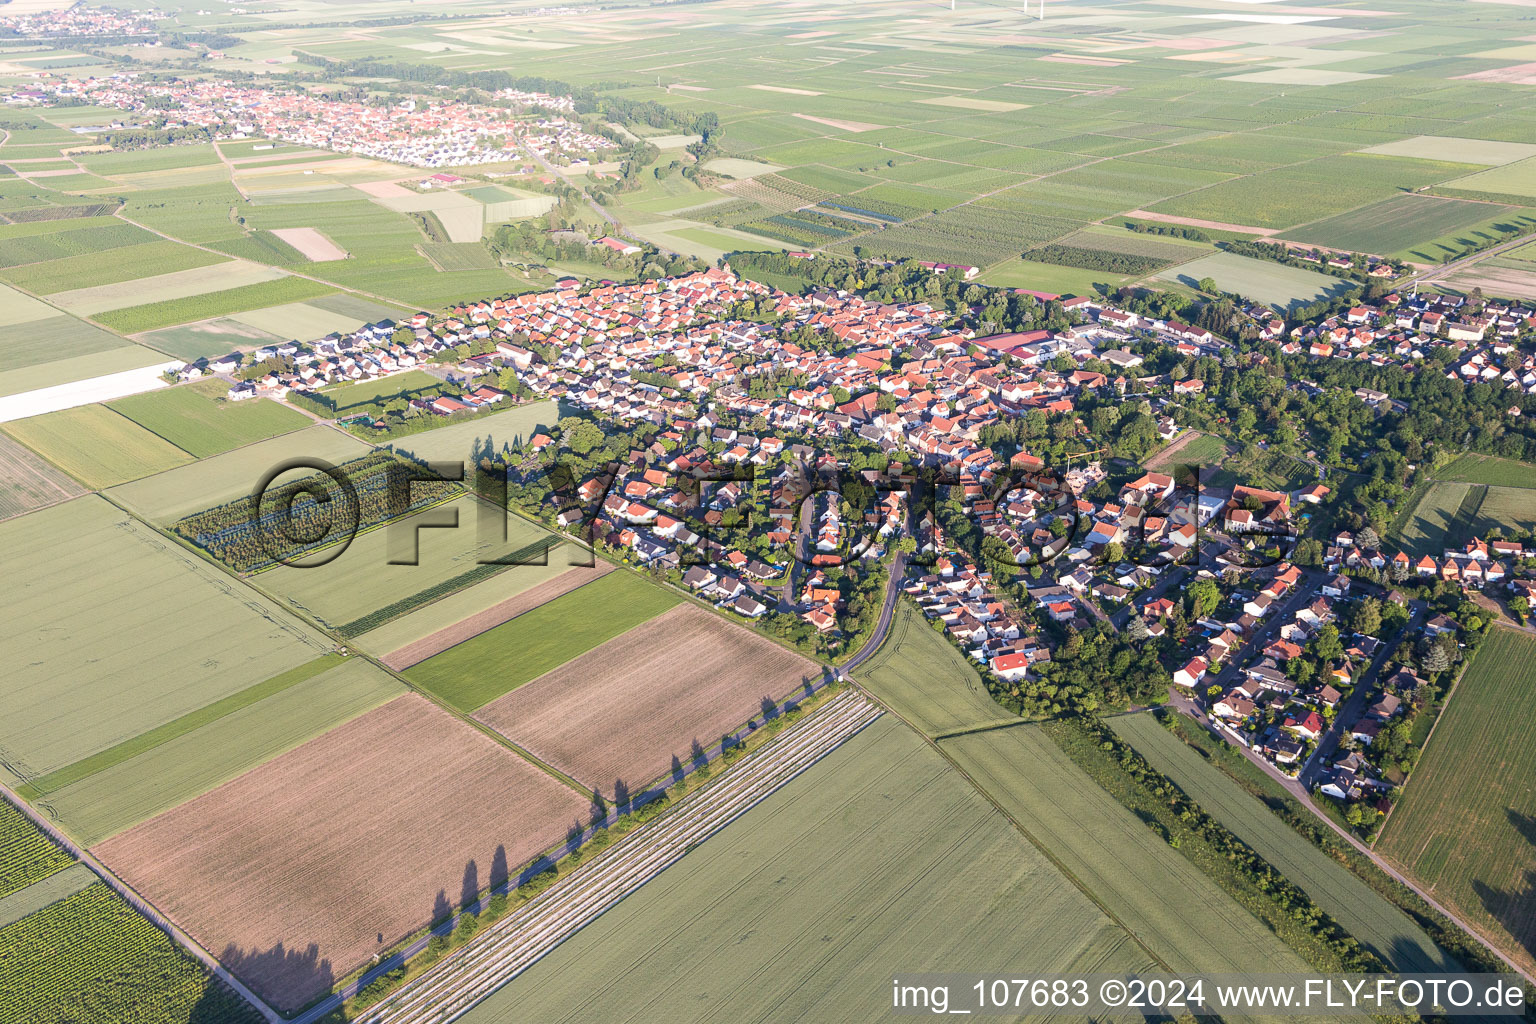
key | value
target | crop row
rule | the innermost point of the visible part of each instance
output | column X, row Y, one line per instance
column 37, row 248
column 26, row 854
column 309, row 512
column 91, row 957
column 1096, row 259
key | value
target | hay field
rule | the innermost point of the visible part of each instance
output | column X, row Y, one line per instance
column 1397, row 224
column 208, row 339
column 879, row 859
column 1437, row 520
column 400, row 793
column 481, row 669
column 1465, row 827
column 177, row 493
column 97, row 446
column 1160, row 896
column 28, row 482
column 185, row 766
column 198, row 418
column 117, row 630
column 926, row 681
column 619, row 714
column 1361, row 910
column 1495, row 281
column 297, row 321
column 1488, row 469
column 346, row 593
column 421, row 634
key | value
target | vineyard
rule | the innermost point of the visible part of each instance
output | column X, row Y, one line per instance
column 967, row 235
column 36, row 248
column 891, row 213
column 26, row 855
column 90, row 959
column 806, row 227
column 292, row 520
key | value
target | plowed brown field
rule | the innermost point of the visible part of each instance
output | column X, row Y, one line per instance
column 299, row 871
column 624, row 709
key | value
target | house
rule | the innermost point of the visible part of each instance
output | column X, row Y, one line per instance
column 1191, row 674
column 1309, row 725
column 1011, row 667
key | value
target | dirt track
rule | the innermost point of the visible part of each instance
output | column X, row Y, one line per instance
column 505, row 611
column 624, row 709
column 292, row 873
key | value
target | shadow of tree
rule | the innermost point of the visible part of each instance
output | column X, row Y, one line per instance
column 1515, row 908
column 288, row 977
column 469, row 891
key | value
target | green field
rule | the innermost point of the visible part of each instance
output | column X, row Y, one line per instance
column 1398, row 225
column 500, row 660
column 1486, row 469
column 879, row 856
column 926, row 681
column 97, row 446
column 173, row 495
column 112, row 266
column 177, row 768
column 360, row 590
column 459, row 441
column 349, row 397
column 1273, row 283
column 1201, row 450
column 41, row 893
column 1362, row 911
column 1465, row 826
column 198, row 418
column 91, row 959
column 26, row 854
column 1440, row 518
column 1151, row 888
column 147, row 317
column 208, row 339
column 118, row 630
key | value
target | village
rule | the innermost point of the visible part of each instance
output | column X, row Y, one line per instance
column 429, row 134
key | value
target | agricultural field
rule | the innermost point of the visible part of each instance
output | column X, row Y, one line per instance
column 1193, row 449
column 169, row 496
column 1511, row 509
column 460, row 441
column 679, row 680
column 1273, row 283
column 182, row 284
column 199, row 419
column 1363, row 912
column 1487, row 469
column 1465, row 825
column 1495, row 281
column 477, row 671
column 43, row 892
column 927, row 682
column 1510, row 179
column 1187, row 922
column 97, row 446
column 132, row 782
column 1443, row 517
column 91, row 958
column 361, row 590
column 349, row 397
column 232, row 869
column 799, row 909
column 26, row 854
column 208, row 305
column 27, row 482
column 449, row 621
column 109, row 267
column 1396, row 226
column 208, row 339
column 89, row 593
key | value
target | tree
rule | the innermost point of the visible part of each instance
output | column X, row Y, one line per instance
column 1435, row 660
column 1136, row 630
column 1368, row 539
column 1203, row 597
column 1367, row 618
column 1208, row 285
column 1326, row 645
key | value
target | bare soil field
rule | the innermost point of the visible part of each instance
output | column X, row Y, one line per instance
column 27, row 482
column 311, row 243
column 299, row 871
column 623, row 710
column 495, row 615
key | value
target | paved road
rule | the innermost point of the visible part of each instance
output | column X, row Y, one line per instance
column 887, row 612
column 598, row 208
column 1350, row 712
column 1444, row 270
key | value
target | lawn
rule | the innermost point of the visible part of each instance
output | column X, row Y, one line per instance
column 1179, row 913
column 348, row 397
column 1365, row 913
column 117, row 630
column 926, row 681
column 459, row 441
column 97, row 446
column 881, row 858
column 1465, row 826
column 1047, row 277
column 198, row 418
column 499, row 660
